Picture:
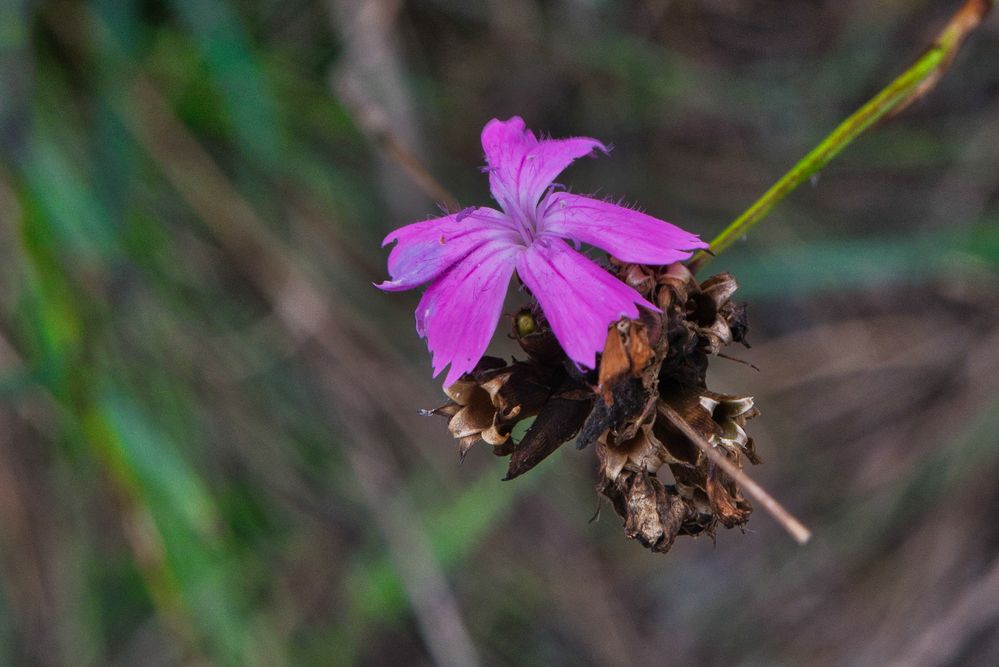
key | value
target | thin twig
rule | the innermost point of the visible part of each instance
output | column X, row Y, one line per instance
column 777, row 511
column 913, row 84
column 375, row 124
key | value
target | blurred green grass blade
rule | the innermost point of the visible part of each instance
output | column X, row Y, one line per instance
column 124, row 20
column 159, row 467
column 193, row 582
column 16, row 71
column 47, row 323
column 234, row 66
column 61, row 191
column 852, row 264
column 197, row 547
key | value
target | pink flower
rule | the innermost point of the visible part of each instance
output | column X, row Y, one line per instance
column 469, row 257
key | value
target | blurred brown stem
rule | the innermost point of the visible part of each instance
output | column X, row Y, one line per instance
column 374, row 123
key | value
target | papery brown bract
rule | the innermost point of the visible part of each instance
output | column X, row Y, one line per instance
column 488, row 402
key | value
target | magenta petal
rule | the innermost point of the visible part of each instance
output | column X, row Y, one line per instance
column 579, row 298
column 459, row 312
column 626, row 234
column 520, row 167
column 427, row 249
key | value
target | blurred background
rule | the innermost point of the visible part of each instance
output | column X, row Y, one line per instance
column 210, row 451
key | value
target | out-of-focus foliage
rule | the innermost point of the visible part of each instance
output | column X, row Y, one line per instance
column 209, row 444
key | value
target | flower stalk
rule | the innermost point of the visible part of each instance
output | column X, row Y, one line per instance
column 915, row 82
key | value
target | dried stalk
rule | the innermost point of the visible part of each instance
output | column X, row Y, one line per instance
column 781, row 515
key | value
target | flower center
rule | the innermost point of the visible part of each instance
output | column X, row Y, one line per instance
column 525, row 218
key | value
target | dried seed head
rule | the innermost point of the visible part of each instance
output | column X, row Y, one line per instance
column 641, row 278
column 642, row 452
column 655, row 361
column 720, row 420
column 674, row 281
column 654, row 514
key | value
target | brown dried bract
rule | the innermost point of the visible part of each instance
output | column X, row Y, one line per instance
column 653, row 513
column 488, row 402
column 627, row 352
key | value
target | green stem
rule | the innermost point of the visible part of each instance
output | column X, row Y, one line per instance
column 912, row 84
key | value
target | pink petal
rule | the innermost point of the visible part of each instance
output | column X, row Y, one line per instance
column 429, row 248
column 625, row 233
column 459, row 312
column 579, row 298
column 520, row 167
